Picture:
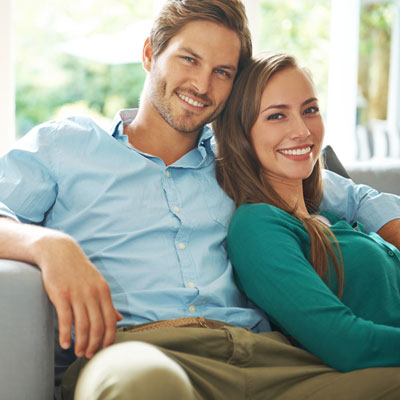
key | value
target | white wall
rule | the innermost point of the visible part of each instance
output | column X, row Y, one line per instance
column 7, row 107
column 394, row 87
column 342, row 84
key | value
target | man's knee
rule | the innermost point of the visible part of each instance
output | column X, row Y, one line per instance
column 133, row 370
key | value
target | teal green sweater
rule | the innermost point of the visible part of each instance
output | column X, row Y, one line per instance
column 270, row 251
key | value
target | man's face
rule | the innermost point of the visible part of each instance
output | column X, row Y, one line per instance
column 192, row 78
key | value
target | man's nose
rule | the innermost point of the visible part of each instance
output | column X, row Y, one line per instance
column 201, row 81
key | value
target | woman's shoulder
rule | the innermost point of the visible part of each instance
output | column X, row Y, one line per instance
column 261, row 214
column 260, row 210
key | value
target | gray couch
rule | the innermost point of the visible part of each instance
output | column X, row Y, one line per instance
column 381, row 174
column 26, row 315
column 26, row 334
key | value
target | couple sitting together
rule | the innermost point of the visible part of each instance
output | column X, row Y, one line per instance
column 139, row 251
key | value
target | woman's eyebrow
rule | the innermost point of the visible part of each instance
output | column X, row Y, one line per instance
column 284, row 106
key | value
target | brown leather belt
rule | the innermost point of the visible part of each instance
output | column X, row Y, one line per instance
column 199, row 322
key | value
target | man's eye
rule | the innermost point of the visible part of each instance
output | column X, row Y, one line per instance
column 188, row 59
column 222, row 72
column 275, row 116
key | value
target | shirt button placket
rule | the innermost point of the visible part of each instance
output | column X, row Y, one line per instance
column 192, row 308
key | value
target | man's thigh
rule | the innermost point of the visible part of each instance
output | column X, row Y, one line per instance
column 236, row 364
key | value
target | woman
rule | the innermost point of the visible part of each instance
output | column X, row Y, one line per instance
column 332, row 287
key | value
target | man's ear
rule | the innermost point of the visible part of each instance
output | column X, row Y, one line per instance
column 147, row 55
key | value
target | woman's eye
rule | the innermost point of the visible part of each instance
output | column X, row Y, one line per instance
column 275, row 116
column 311, row 110
column 188, row 59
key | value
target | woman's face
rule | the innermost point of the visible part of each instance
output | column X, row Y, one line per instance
column 288, row 133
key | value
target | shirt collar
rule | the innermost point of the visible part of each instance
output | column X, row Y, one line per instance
column 126, row 116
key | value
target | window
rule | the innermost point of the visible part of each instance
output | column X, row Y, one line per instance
column 300, row 28
column 67, row 62
column 6, row 77
column 373, row 136
column 78, row 58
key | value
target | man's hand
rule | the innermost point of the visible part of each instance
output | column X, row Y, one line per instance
column 391, row 232
column 79, row 293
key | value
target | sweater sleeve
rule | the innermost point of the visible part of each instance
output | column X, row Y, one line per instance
column 268, row 251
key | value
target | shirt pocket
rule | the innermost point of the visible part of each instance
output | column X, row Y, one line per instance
column 220, row 207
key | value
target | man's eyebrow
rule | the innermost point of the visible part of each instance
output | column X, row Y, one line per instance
column 191, row 52
column 197, row 56
column 284, row 106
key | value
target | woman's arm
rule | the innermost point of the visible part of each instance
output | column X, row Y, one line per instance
column 267, row 251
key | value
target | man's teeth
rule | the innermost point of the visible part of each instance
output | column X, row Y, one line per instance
column 191, row 101
column 296, row 152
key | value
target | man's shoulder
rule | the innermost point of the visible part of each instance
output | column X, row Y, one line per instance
column 73, row 125
column 67, row 128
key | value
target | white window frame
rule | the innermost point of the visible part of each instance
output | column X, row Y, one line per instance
column 343, row 73
column 7, row 97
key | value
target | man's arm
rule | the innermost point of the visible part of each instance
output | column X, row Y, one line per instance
column 391, row 232
column 78, row 291
column 352, row 202
column 28, row 189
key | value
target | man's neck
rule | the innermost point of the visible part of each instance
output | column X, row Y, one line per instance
column 149, row 133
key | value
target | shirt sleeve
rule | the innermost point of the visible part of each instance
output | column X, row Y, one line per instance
column 266, row 248
column 353, row 202
column 27, row 185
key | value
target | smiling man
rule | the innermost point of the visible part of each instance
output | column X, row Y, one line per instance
column 129, row 228
column 187, row 87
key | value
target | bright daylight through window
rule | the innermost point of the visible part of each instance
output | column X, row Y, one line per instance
column 85, row 58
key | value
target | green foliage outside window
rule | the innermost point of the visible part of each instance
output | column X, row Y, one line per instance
column 51, row 83
column 301, row 28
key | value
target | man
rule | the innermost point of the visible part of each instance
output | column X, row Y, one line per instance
column 135, row 220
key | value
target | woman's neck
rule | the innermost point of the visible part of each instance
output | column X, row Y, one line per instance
column 290, row 191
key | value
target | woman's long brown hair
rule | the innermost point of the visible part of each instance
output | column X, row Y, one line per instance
column 239, row 171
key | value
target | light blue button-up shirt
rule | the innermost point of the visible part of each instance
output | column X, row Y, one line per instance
column 155, row 232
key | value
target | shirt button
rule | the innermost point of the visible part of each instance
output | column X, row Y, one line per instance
column 177, row 209
column 390, row 252
column 167, row 174
column 191, row 284
column 181, row 246
column 192, row 308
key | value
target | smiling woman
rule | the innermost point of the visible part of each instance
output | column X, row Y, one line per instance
column 309, row 270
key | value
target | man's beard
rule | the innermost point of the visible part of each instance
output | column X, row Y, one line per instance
column 184, row 122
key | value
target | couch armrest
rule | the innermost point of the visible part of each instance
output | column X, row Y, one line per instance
column 26, row 334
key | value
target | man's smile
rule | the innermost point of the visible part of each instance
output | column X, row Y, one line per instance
column 191, row 101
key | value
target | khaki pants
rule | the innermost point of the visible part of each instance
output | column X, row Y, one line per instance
column 229, row 363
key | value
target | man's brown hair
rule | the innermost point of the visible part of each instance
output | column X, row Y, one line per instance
column 175, row 14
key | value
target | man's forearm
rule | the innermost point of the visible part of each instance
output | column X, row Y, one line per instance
column 391, row 232
column 18, row 241
column 78, row 291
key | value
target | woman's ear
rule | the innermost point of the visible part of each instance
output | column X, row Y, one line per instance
column 147, row 55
